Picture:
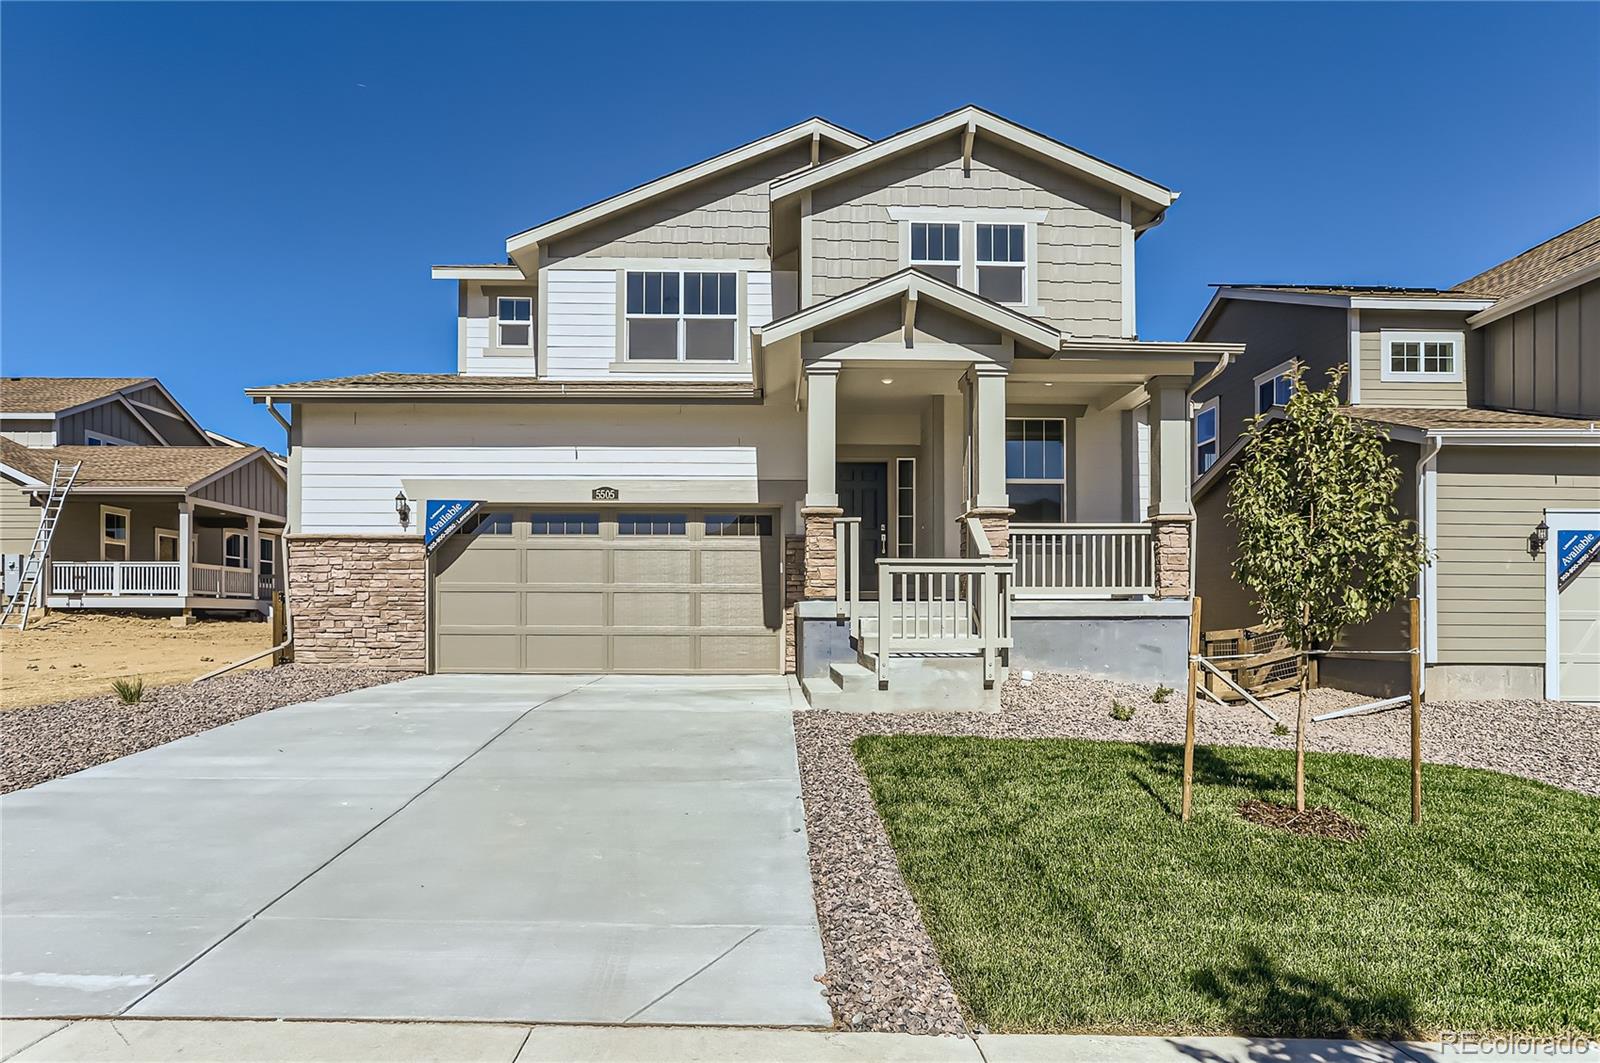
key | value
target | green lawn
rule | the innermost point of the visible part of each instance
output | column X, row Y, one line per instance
column 1064, row 894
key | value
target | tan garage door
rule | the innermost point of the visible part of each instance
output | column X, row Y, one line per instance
column 679, row 591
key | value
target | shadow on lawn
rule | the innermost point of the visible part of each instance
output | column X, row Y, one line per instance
column 1261, row 998
column 1210, row 769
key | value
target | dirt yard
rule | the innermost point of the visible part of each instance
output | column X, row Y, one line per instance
column 71, row 655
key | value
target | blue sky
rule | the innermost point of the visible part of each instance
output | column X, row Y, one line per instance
column 230, row 194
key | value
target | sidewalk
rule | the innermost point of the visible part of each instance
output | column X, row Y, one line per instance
column 36, row 1040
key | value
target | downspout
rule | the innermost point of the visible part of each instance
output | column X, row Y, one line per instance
column 1428, row 578
column 288, row 617
column 1194, row 525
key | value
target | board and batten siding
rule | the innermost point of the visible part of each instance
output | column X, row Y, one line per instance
column 108, row 418
column 1078, row 245
column 256, row 486
column 352, row 460
column 1375, row 391
column 29, row 433
column 1546, row 358
column 1491, row 607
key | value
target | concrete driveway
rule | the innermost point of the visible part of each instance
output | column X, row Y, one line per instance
column 621, row 849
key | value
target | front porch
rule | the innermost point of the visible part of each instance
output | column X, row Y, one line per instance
column 981, row 492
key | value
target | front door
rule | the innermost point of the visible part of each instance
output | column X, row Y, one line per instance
column 864, row 493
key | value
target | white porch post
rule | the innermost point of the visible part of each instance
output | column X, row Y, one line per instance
column 1171, row 513
column 253, row 551
column 185, row 534
column 822, row 430
column 988, row 501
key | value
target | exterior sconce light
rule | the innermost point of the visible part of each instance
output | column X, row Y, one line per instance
column 402, row 508
column 1537, row 538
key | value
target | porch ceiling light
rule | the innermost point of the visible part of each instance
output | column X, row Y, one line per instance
column 888, row 380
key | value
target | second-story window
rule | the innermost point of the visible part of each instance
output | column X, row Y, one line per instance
column 936, row 249
column 1421, row 356
column 684, row 316
column 1002, row 262
column 516, row 321
column 1205, row 438
column 1274, row 387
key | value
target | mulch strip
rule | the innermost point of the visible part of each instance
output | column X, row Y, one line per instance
column 1316, row 822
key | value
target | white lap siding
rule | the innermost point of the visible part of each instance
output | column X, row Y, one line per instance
column 582, row 330
column 353, row 461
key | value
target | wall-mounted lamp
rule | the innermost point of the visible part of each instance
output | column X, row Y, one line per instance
column 402, row 508
column 1537, row 538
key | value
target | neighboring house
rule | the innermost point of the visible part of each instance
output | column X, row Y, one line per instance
column 1490, row 393
column 672, row 407
column 163, row 516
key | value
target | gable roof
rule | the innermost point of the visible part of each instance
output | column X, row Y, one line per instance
column 130, row 468
column 914, row 283
column 977, row 121
column 55, row 394
column 529, row 239
column 1558, row 256
column 1347, row 296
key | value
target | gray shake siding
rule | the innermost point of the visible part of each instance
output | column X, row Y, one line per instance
column 1547, row 357
column 1079, row 246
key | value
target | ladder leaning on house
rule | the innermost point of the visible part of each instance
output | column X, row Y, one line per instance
column 61, row 481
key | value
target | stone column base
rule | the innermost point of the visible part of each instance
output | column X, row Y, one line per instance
column 359, row 601
column 821, row 552
column 1173, row 536
column 996, row 528
column 794, row 585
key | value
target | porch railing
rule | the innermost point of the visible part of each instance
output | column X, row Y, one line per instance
column 153, row 579
column 1083, row 560
column 847, row 568
column 927, row 606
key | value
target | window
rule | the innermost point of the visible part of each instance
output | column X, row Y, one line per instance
column 1036, row 469
column 652, row 524
column 100, row 439
column 267, row 565
column 936, row 249
column 682, row 317
column 113, row 533
column 1205, row 438
column 1274, row 386
column 566, row 524
column 166, row 545
column 738, row 524
column 1003, row 263
column 488, row 524
column 516, row 320
column 1421, row 356
column 905, row 507
column 235, row 550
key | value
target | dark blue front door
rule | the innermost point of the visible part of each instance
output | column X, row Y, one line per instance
column 864, row 493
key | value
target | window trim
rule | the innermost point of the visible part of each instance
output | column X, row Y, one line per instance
column 1067, row 507
column 267, row 566
column 165, row 533
column 682, row 317
column 968, row 218
column 1197, row 442
column 905, row 546
column 960, row 260
column 1271, row 374
column 1389, row 375
column 1027, row 260
column 105, row 439
column 126, row 543
column 244, row 556
column 500, row 322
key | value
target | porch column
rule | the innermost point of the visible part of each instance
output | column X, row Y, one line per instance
column 185, row 533
column 253, row 551
column 1171, row 514
column 821, row 504
column 989, row 502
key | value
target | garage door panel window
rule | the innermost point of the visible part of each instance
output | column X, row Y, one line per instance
column 489, row 524
column 738, row 524
column 566, row 524
column 653, row 524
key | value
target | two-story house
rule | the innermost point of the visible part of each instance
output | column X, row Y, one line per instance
column 798, row 406
column 161, row 516
column 1490, row 394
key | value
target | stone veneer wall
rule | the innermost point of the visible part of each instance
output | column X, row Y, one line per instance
column 359, row 601
column 996, row 528
column 822, row 552
column 794, row 589
column 1172, row 540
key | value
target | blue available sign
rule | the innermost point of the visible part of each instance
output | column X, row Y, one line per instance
column 1574, row 551
column 442, row 517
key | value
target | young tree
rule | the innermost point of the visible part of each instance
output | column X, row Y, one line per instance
column 1320, row 540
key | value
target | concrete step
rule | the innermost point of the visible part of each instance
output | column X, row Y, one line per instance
column 916, row 684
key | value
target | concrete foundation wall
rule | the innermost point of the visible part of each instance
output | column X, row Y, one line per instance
column 1138, row 642
column 820, row 639
column 1485, row 682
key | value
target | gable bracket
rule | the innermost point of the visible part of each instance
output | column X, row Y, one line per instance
column 908, row 315
column 967, row 138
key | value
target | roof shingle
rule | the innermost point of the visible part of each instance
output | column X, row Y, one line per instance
column 135, row 467
column 1555, row 258
column 52, row 394
column 1440, row 419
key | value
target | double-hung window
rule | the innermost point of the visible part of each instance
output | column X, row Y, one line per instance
column 114, row 533
column 1036, row 469
column 235, row 550
column 1274, row 387
column 515, row 315
column 267, row 565
column 1002, row 262
column 682, row 316
column 1205, row 438
column 1421, row 356
column 936, row 249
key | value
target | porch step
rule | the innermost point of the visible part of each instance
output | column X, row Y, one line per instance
column 934, row 683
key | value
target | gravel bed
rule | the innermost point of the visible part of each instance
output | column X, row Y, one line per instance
column 43, row 742
column 883, row 972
